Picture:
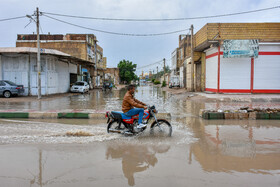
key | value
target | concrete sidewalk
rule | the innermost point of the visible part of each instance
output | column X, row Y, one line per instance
column 241, row 97
column 56, row 114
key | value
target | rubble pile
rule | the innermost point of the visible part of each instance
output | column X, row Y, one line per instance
column 242, row 113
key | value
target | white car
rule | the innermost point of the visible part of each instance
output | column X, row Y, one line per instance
column 80, row 86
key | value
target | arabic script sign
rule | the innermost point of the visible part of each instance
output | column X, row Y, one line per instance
column 241, row 48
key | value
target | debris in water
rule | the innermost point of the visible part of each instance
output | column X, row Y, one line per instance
column 79, row 133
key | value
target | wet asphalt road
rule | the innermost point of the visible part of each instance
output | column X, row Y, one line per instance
column 200, row 152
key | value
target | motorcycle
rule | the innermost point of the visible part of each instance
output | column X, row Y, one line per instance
column 107, row 86
column 118, row 122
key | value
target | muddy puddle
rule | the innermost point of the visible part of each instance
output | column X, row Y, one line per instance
column 63, row 152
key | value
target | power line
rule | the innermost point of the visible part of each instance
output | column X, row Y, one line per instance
column 8, row 19
column 164, row 19
column 158, row 62
column 116, row 33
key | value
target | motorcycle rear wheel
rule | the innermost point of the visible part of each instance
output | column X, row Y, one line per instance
column 114, row 127
column 161, row 128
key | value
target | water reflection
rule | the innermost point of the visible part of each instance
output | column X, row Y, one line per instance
column 243, row 146
column 135, row 158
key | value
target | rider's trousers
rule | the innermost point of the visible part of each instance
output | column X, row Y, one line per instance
column 136, row 111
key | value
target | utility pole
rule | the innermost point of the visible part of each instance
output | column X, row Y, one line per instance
column 157, row 72
column 38, row 56
column 164, row 69
column 95, row 59
column 192, row 62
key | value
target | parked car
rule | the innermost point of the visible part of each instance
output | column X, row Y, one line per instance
column 80, row 86
column 9, row 88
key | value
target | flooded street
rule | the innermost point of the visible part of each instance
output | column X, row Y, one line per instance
column 199, row 153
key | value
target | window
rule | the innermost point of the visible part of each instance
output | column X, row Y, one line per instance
column 79, row 84
column 11, row 83
column 2, row 83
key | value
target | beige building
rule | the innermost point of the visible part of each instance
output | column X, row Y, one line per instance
column 113, row 75
column 211, row 36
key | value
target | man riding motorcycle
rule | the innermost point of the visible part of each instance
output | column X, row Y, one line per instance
column 129, row 102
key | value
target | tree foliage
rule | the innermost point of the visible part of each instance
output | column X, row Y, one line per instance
column 127, row 70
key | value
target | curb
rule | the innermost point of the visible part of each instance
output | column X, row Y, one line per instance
column 64, row 115
column 209, row 115
column 14, row 115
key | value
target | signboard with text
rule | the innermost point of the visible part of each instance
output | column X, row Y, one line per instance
column 241, row 48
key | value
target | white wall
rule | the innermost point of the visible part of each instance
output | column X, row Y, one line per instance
column 34, row 74
column 73, row 68
column 235, row 73
column 55, row 75
column 52, row 76
column 267, row 68
column 1, row 68
column 15, row 68
column 174, row 60
column 182, row 77
column 211, row 69
column 63, row 82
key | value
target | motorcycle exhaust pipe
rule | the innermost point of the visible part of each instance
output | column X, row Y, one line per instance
column 115, row 130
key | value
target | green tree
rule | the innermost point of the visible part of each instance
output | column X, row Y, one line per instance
column 127, row 70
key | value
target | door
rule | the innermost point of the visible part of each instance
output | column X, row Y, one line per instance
column 198, row 77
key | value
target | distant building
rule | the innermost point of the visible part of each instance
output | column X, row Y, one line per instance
column 58, row 69
column 113, row 74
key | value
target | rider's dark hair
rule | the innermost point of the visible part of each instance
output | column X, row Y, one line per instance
column 130, row 87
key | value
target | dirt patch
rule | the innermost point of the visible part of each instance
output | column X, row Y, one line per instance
column 78, row 133
column 119, row 87
column 174, row 90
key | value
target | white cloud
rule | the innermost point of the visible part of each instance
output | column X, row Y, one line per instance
column 139, row 50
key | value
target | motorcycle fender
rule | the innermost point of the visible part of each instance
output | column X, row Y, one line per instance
column 108, row 120
column 154, row 122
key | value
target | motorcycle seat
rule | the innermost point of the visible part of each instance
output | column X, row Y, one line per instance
column 119, row 115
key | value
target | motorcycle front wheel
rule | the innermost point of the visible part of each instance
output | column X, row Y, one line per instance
column 161, row 128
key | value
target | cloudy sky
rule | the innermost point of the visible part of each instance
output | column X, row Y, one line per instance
column 139, row 50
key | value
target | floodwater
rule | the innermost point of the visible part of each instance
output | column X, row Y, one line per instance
column 199, row 153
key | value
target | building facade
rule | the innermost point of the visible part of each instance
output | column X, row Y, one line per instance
column 214, row 73
column 19, row 65
column 112, row 75
column 244, row 75
column 82, row 46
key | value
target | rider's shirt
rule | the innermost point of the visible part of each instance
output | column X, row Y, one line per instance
column 130, row 102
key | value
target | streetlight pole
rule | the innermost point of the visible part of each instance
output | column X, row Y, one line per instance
column 38, row 56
